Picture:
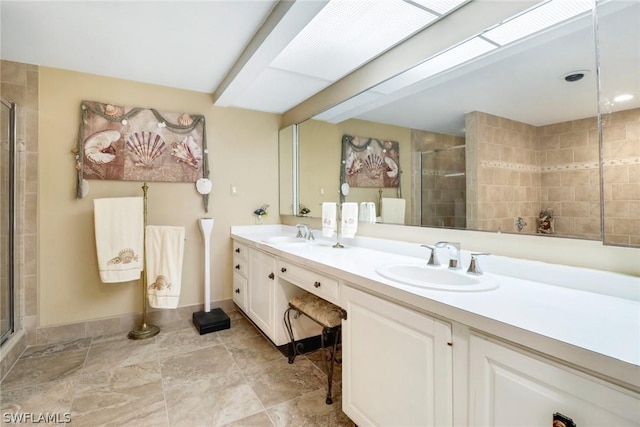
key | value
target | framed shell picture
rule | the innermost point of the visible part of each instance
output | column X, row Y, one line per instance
column 370, row 162
column 140, row 144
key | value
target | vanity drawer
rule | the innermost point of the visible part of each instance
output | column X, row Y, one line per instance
column 240, row 266
column 311, row 281
column 240, row 250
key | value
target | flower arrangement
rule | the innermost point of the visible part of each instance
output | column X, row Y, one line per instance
column 304, row 210
column 261, row 211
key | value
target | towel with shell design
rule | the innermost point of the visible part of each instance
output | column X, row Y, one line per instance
column 165, row 251
column 119, row 231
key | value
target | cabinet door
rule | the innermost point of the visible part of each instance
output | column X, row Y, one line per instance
column 509, row 387
column 261, row 291
column 240, row 291
column 396, row 364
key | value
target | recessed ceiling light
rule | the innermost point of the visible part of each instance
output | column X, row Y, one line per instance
column 623, row 97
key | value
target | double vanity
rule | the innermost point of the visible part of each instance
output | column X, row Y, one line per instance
column 424, row 345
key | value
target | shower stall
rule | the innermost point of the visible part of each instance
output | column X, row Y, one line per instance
column 7, row 217
column 443, row 187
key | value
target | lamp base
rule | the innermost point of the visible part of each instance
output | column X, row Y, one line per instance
column 214, row 320
column 143, row 331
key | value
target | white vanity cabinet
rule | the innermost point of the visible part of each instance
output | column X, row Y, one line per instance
column 261, row 291
column 240, row 270
column 397, row 364
column 511, row 387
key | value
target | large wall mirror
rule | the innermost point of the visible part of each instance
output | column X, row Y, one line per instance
column 506, row 141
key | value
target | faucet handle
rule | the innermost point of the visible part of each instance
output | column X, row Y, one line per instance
column 474, row 267
column 433, row 259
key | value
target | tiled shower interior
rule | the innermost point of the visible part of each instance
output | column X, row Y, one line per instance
column 503, row 169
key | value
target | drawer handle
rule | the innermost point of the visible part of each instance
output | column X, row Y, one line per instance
column 316, row 284
column 237, row 250
column 237, row 291
column 237, row 266
column 271, row 276
column 284, row 270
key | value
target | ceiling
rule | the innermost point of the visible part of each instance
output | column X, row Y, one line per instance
column 244, row 52
column 262, row 55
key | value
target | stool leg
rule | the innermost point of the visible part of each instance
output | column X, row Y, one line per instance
column 289, row 327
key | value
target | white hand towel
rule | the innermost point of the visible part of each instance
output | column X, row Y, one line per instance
column 329, row 222
column 372, row 212
column 165, row 250
column 393, row 211
column 349, row 221
column 119, row 230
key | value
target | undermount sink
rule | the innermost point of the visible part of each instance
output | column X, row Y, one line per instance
column 283, row 240
column 423, row 276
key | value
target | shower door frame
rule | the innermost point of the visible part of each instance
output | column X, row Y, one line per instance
column 11, row 219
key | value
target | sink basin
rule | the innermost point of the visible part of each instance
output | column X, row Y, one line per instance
column 283, row 240
column 422, row 276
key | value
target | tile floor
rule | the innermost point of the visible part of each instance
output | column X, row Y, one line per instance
column 233, row 377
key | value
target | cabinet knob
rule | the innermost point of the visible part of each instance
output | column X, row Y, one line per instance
column 271, row 276
column 284, row 270
column 316, row 284
column 237, row 266
column 237, row 250
column 237, row 291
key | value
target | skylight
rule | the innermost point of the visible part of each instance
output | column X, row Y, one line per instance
column 345, row 34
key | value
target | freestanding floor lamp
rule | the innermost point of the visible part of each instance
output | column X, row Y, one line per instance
column 209, row 320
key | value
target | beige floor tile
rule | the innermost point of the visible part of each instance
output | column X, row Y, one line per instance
column 310, row 410
column 212, row 402
column 62, row 366
column 148, row 411
column 253, row 351
column 278, row 381
column 317, row 359
column 50, row 349
column 113, row 353
column 185, row 368
column 184, row 340
column 240, row 329
column 51, row 397
column 261, row 419
column 118, row 387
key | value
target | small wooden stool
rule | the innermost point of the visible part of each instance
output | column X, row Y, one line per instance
column 325, row 314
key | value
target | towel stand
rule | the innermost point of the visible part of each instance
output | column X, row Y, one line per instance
column 144, row 330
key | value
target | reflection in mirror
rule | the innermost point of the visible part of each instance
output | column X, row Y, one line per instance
column 619, row 48
column 288, row 184
column 505, row 142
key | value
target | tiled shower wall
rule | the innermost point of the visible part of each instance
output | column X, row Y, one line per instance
column 442, row 190
column 522, row 169
column 570, row 176
column 621, row 177
column 503, row 174
column 19, row 83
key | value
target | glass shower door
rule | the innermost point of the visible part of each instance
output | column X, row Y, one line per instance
column 7, row 220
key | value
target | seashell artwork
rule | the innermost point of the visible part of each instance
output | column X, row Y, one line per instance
column 187, row 151
column 125, row 256
column 392, row 167
column 160, row 283
column 370, row 162
column 374, row 165
column 112, row 111
column 145, row 147
column 185, row 120
column 99, row 149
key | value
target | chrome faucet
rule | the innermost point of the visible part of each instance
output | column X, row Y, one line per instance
column 455, row 262
column 304, row 232
column 433, row 259
column 474, row 267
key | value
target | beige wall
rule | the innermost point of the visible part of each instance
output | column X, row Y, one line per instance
column 243, row 151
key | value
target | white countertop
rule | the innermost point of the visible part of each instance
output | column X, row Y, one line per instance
column 542, row 306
